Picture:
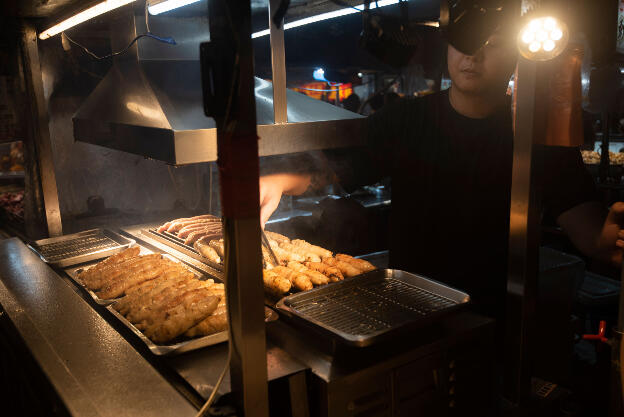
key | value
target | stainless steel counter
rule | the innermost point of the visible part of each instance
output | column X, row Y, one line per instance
column 95, row 371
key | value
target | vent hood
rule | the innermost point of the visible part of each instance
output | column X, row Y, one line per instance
column 150, row 102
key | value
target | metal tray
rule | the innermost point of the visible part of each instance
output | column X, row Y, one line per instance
column 176, row 243
column 371, row 307
column 186, row 345
column 80, row 247
column 73, row 274
column 174, row 349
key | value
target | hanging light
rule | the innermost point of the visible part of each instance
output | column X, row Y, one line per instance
column 543, row 38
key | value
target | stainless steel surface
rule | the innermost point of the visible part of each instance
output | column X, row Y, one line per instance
column 150, row 103
column 173, row 349
column 523, row 234
column 278, row 65
column 40, row 132
column 94, row 370
column 368, row 308
column 80, row 247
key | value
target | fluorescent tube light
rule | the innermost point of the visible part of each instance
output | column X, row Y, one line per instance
column 83, row 16
column 334, row 14
column 156, row 7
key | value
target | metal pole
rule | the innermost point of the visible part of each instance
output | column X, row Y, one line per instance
column 40, row 132
column 523, row 236
column 228, row 83
column 278, row 66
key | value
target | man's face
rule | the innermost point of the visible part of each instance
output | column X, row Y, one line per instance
column 487, row 71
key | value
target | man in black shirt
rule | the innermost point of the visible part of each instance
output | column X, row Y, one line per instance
column 449, row 156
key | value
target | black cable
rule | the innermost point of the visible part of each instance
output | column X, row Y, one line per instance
column 168, row 40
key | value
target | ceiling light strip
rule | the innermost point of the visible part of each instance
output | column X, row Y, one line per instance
column 83, row 16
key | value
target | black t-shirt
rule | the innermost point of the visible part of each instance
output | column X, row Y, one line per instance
column 451, row 186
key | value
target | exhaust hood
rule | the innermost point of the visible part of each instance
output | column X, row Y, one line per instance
column 150, row 102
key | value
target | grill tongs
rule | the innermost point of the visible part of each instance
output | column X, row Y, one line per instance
column 265, row 243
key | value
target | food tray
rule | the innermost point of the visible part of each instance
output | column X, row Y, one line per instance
column 73, row 274
column 371, row 307
column 174, row 349
column 186, row 345
column 80, row 247
column 176, row 243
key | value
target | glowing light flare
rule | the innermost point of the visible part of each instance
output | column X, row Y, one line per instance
column 528, row 36
column 535, row 46
column 158, row 7
column 556, row 34
column 549, row 45
column 83, row 16
column 543, row 38
column 334, row 14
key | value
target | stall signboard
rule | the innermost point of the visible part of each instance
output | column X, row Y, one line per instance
column 324, row 91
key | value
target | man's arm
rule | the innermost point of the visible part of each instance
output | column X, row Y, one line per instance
column 596, row 232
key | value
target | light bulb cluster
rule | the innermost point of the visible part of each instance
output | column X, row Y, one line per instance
column 543, row 38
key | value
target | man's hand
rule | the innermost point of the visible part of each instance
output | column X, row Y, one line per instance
column 596, row 235
column 273, row 186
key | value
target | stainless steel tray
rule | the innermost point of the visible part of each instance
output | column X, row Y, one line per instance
column 373, row 306
column 186, row 345
column 80, row 247
column 174, row 349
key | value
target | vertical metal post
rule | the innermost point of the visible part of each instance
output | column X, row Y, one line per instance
column 524, row 221
column 278, row 66
column 39, row 131
column 228, row 83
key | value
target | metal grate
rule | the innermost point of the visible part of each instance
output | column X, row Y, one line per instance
column 76, row 247
column 370, row 307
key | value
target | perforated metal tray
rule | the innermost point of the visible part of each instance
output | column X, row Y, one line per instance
column 80, row 247
column 371, row 307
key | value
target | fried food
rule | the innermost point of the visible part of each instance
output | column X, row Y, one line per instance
column 332, row 272
column 274, row 282
column 316, row 277
column 276, row 237
column 202, row 245
column 322, row 252
column 360, row 264
column 165, row 226
column 148, row 271
column 346, row 268
column 218, row 245
column 299, row 281
column 176, row 318
column 180, row 224
column 215, row 323
column 213, row 231
column 284, row 256
column 307, row 255
column 100, row 278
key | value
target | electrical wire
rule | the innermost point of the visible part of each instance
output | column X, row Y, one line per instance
column 148, row 34
column 168, row 40
column 213, row 394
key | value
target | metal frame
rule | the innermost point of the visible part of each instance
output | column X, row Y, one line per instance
column 524, row 231
column 278, row 65
column 39, row 132
column 231, row 70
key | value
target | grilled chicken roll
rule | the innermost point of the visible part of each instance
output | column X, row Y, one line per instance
column 332, row 272
column 360, row 264
column 316, row 277
column 346, row 268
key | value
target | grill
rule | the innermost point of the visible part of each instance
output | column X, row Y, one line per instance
column 80, row 247
column 365, row 309
column 173, row 241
